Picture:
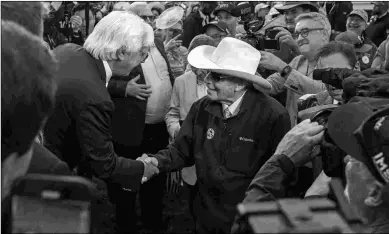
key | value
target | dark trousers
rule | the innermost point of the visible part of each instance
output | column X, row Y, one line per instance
column 155, row 138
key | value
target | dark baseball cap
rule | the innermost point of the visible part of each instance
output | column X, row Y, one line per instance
column 222, row 26
column 224, row 7
column 361, row 129
column 243, row 9
column 289, row 5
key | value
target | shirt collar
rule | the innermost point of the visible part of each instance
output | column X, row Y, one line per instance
column 108, row 72
column 234, row 107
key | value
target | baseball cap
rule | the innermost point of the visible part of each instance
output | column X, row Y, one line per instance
column 353, row 39
column 289, row 5
column 223, row 7
column 361, row 129
column 361, row 13
column 222, row 26
column 243, row 9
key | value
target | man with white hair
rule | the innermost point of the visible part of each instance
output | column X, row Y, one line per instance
column 78, row 131
column 228, row 134
column 141, row 102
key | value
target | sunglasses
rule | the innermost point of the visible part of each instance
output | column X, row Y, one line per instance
column 217, row 77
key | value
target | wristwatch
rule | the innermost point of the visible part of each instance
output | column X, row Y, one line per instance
column 286, row 71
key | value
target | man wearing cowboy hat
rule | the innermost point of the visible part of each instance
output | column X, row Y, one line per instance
column 228, row 135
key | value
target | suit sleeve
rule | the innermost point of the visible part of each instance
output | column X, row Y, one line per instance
column 94, row 135
column 179, row 154
column 117, row 87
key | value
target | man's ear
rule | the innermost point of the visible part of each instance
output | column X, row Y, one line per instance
column 376, row 192
column 120, row 53
column 240, row 87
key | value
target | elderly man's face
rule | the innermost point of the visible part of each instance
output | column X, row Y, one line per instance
column 221, row 87
column 336, row 60
column 356, row 24
column 310, row 36
column 128, row 61
column 216, row 34
column 291, row 15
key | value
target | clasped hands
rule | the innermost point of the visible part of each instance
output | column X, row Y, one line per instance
column 151, row 167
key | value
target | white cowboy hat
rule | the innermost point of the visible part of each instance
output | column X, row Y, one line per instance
column 169, row 17
column 231, row 57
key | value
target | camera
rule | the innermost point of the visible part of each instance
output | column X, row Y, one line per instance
column 260, row 41
column 310, row 215
column 252, row 26
column 333, row 76
column 332, row 155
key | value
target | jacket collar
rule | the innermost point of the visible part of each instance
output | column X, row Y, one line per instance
column 99, row 65
column 216, row 108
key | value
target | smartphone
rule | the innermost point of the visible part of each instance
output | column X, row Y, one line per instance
column 51, row 204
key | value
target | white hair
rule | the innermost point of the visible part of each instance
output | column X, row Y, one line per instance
column 318, row 17
column 119, row 30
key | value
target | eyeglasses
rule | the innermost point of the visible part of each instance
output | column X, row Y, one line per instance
column 304, row 32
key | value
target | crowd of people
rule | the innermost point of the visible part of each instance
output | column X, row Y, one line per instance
column 217, row 97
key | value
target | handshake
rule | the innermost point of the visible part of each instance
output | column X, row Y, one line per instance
column 151, row 167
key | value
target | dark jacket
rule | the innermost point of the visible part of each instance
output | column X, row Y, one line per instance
column 79, row 131
column 128, row 119
column 192, row 27
column 45, row 162
column 376, row 30
column 227, row 153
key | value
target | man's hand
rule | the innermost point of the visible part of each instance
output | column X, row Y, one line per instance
column 173, row 43
column 139, row 91
column 284, row 36
column 150, row 169
column 271, row 62
column 152, row 160
column 299, row 143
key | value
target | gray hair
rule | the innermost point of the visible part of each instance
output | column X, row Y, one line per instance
column 117, row 31
column 318, row 17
